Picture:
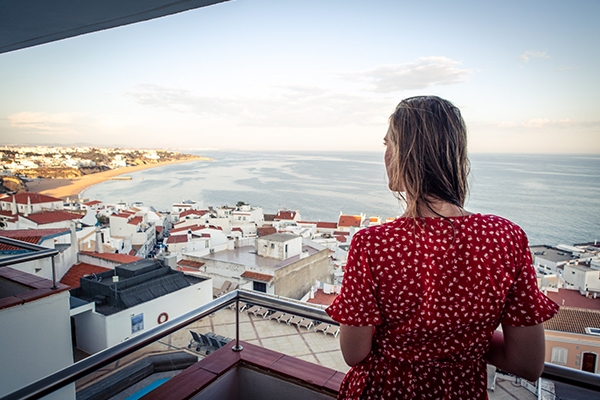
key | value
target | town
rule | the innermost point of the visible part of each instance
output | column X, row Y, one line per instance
column 123, row 269
column 71, row 162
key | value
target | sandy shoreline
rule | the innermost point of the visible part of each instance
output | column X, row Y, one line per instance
column 64, row 188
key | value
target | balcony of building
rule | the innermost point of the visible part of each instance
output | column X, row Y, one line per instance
column 235, row 354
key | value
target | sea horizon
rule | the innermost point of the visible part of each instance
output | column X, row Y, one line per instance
column 552, row 197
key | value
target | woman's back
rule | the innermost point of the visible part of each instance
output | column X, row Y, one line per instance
column 436, row 289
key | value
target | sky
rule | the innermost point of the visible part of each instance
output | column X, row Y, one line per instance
column 314, row 75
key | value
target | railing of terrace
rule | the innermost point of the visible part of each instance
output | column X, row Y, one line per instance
column 93, row 363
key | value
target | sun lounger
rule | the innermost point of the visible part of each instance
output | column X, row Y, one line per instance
column 332, row 330
column 295, row 320
column 322, row 327
column 306, row 323
column 285, row 318
column 254, row 310
column 276, row 315
column 223, row 289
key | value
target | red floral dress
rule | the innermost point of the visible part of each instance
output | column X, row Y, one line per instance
column 435, row 291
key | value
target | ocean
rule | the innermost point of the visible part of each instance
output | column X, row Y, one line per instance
column 554, row 198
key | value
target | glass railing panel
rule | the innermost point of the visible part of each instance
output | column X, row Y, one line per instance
column 170, row 348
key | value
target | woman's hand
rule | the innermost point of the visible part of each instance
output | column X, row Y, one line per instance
column 355, row 342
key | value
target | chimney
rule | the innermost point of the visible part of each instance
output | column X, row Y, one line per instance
column 13, row 207
column 29, row 209
column 99, row 247
column 74, row 244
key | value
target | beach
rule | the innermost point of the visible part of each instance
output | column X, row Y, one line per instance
column 71, row 188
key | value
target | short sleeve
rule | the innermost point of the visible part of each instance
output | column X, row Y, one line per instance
column 357, row 303
column 526, row 305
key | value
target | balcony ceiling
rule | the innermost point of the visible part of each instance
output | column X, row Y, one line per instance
column 26, row 23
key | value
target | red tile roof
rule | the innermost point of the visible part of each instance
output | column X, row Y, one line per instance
column 341, row 233
column 349, row 220
column 35, row 198
column 255, row 276
column 237, row 229
column 6, row 213
column 186, row 228
column 122, row 258
column 92, row 203
column 27, row 239
column 192, row 212
column 265, row 231
column 191, row 264
column 14, row 233
column 322, row 298
column 269, row 217
column 572, row 298
column 177, row 239
column 135, row 221
column 340, row 238
column 285, row 215
column 124, row 214
column 159, row 229
column 77, row 271
column 48, row 217
column 307, row 222
column 326, row 225
column 574, row 320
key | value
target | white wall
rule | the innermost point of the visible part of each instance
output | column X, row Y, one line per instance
column 36, row 341
column 278, row 249
column 95, row 332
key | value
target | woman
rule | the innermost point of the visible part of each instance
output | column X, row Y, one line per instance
column 423, row 295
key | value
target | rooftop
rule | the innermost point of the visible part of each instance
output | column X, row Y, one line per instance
column 138, row 282
column 78, row 271
column 28, row 197
column 122, row 258
column 18, row 287
column 280, row 237
column 48, row 217
column 551, row 254
column 572, row 298
column 573, row 320
column 246, row 255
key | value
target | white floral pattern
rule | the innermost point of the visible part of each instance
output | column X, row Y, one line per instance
column 435, row 291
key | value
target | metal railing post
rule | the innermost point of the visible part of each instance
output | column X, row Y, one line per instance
column 54, row 285
column 237, row 346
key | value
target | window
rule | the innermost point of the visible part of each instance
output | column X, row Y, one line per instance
column 559, row 356
column 592, row 331
column 260, row 287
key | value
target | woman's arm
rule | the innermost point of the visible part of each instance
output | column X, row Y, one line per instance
column 355, row 342
column 519, row 350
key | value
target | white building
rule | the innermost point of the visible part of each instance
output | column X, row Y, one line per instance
column 36, row 331
column 288, row 273
column 144, row 295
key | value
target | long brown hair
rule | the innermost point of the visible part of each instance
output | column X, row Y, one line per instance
column 429, row 153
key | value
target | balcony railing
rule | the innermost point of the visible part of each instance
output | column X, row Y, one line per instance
column 99, row 360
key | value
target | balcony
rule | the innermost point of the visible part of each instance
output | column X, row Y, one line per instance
column 274, row 360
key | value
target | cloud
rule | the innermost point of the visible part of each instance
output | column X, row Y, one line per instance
column 525, row 57
column 182, row 100
column 48, row 123
column 537, row 123
column 566, row 68
column 423, row 73
column 293, row 106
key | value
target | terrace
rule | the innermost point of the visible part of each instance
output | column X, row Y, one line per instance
column 265, row 359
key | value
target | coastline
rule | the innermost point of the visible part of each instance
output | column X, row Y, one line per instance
column 71, row 187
